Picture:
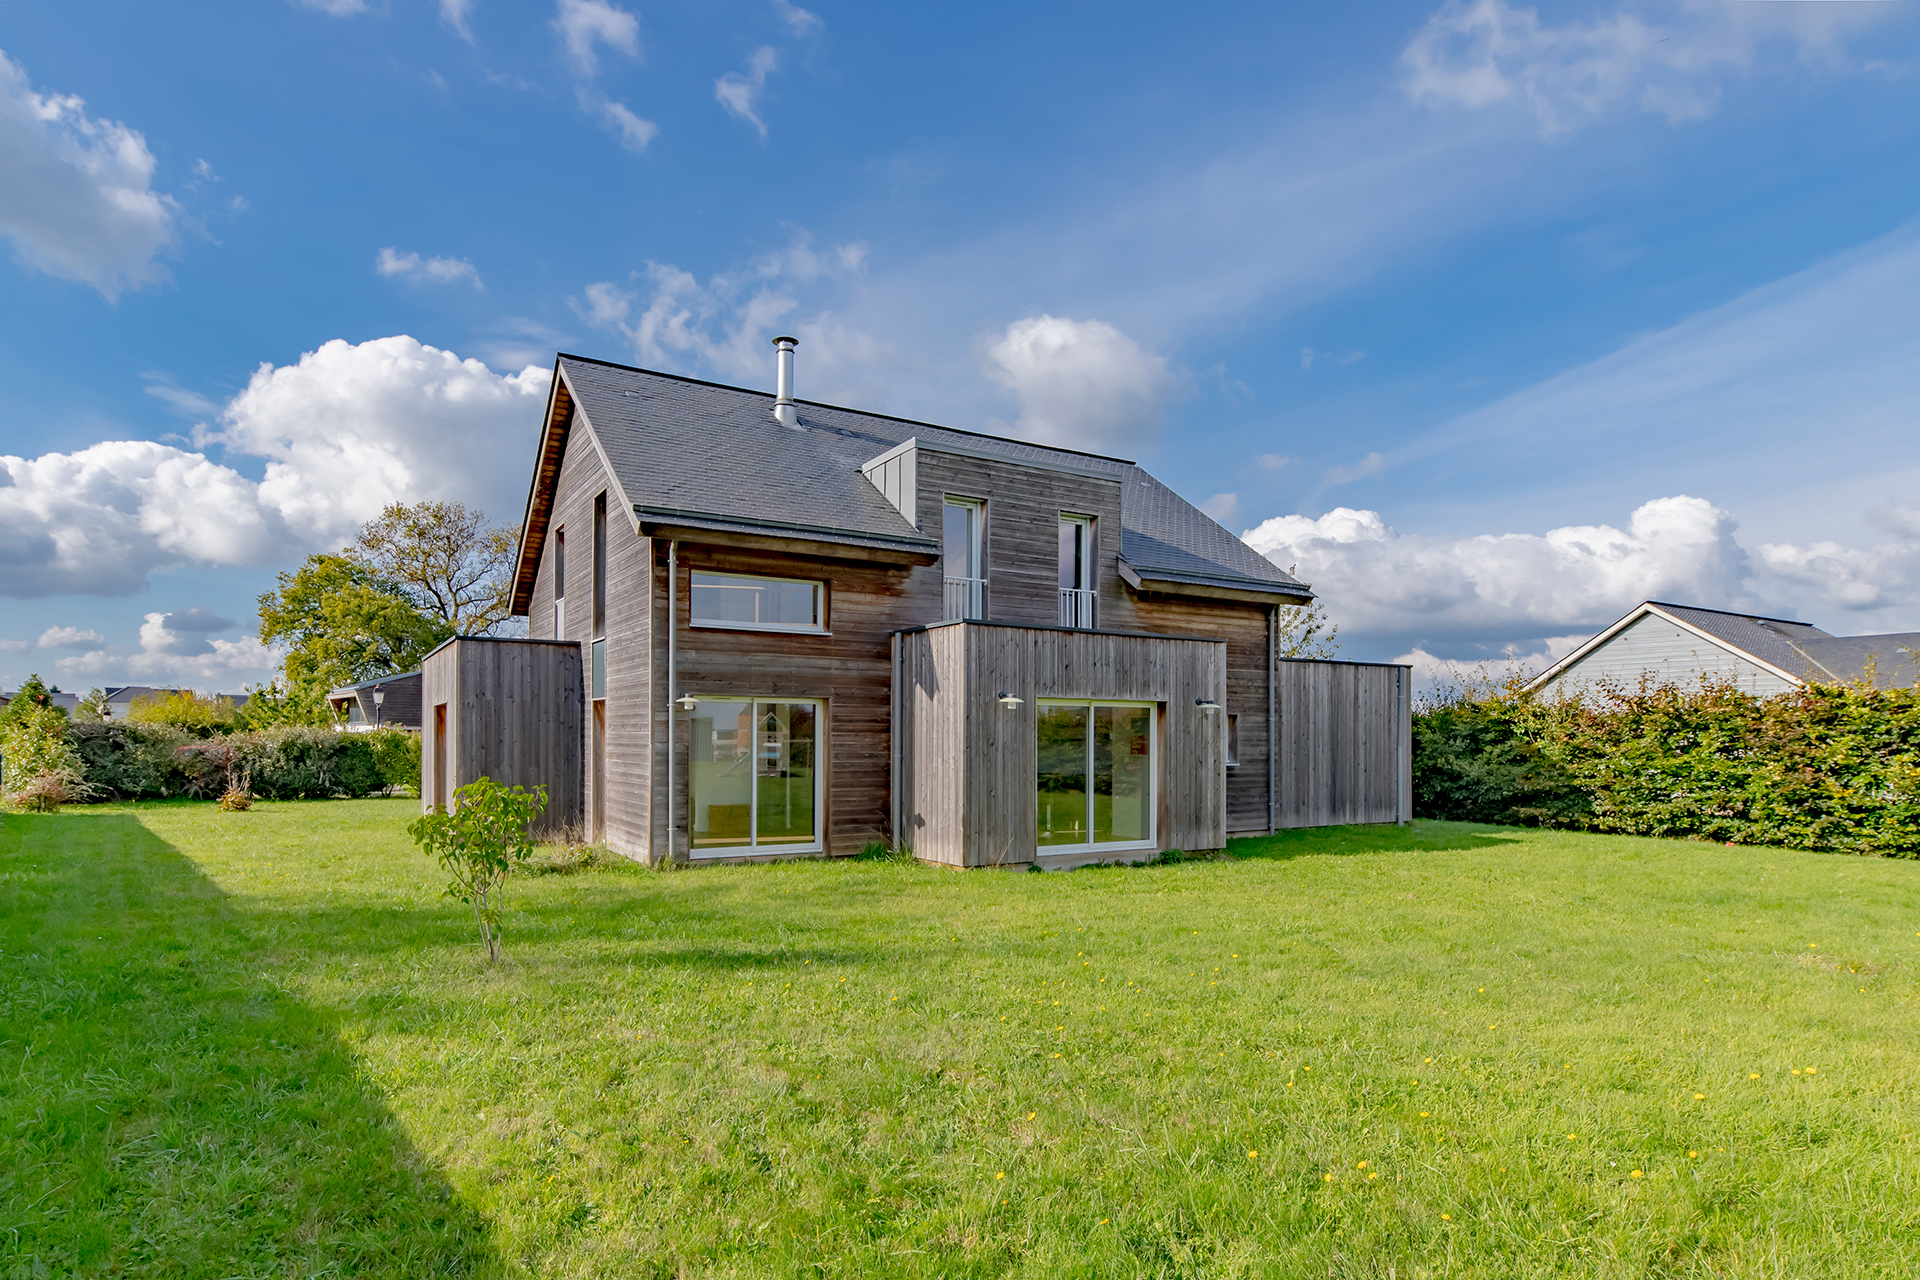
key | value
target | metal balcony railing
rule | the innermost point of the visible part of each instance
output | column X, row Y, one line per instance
column 1076, row 607
column 966, row 598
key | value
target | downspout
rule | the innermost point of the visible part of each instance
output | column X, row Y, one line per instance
column 1273, row 729
column 673, row 680
column 893, row 753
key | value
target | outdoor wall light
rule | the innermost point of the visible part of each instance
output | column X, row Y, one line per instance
column 687, row 702
column 1206, row 704
column 1008, row 700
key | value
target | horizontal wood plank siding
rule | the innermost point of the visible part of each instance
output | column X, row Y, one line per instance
column 1657, row 648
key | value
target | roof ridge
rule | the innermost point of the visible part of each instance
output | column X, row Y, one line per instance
column 842, row 408
column 1731, row 613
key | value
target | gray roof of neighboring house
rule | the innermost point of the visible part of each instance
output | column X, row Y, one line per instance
column 1772, row 640
column 698, row 451
column 1847, row 658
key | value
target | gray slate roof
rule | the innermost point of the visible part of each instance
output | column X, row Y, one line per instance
column 697, row 449
column 1772, row 640
column 1846, row 658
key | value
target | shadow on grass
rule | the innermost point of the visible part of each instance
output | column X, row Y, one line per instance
column 1337, row 842
column 168, row 1110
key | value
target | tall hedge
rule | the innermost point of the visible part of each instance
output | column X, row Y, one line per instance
column 131, row 761
column 1832, row 767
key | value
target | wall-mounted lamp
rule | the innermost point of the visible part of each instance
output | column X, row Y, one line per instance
column 1009, row 700
column 687, row 702
column 1206, row 704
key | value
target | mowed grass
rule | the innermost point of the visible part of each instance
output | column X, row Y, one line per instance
column 259, row 1044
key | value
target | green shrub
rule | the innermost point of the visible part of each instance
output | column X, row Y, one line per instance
column 296, row 763
column 130, row 762
column 396, row 752
column 185, row 709
column 1834, row 767
column 34, row 748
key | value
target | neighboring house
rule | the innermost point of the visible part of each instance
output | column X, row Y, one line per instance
column 65, row 701
column 120, row 698
column 392, row 701
column 1682, row 644
column 762, row 627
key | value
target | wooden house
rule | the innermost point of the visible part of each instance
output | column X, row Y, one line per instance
column 1685, row 644
column 803, row 629
column 386, row 701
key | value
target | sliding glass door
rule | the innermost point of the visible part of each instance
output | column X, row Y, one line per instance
column 1096, row 776
column 755, row 778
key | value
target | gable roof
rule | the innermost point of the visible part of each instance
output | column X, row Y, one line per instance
column 685, row 454
column 1776, row 644
column 1844, row 659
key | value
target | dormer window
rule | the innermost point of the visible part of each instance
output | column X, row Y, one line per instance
column 1076, row 571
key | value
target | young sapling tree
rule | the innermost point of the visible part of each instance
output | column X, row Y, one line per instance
column 488, row 834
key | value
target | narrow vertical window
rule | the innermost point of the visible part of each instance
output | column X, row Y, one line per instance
column 1076, row 571
column 599, row 620
column 559, row 584
column 966, row 580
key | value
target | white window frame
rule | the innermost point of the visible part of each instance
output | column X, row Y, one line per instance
column 1152, row 841
column 815, row 628
column 751, row 850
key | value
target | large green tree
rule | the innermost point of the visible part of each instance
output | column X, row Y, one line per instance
column 447, row 561
column 343, row 624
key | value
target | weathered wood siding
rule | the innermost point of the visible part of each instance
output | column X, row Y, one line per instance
column 1022, row 532
column 848, row 669
column 513, row 715
column 1670, row 654
column 1244, row 628
column 970, row 767
column 401, row 710
column 1346, row 743
column 634, row 699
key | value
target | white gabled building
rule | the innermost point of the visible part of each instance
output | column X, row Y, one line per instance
column 1682, row 644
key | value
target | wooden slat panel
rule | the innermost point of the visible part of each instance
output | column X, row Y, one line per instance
column 1345, row 743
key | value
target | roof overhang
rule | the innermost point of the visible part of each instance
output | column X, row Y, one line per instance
column 1149, row 581
column 1640, row 611
column 734, row 531
column 546, row 474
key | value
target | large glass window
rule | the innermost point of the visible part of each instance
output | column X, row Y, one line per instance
column 965, row 594
column 1096, row 776
column 755, row 781
column 757, row 604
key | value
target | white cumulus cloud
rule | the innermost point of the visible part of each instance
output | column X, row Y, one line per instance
column 418, row 270
column 801, row 22
column 1081, row 383
column 633, row 132
column 77, row 198
column 344, row 432
column 72, row 638
column 182, row 655
column 739, row 92
column 14, row 646
column 584, row 25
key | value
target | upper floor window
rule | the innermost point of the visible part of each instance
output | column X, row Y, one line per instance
column 559, row 584
column 964, row 568
column 746, row 603
column 1076, row 571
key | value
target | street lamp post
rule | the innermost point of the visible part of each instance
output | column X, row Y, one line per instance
column 379, row 697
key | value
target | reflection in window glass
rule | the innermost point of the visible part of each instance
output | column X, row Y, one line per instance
column 1122, row 787
column 767, row 604
column 1063, row 775
column 783, row 769
column 753, row 779
column 1096, row 775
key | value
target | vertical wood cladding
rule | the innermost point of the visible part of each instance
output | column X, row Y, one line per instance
column 1346, row 744
column 513, row 715
column 969, row 788
column 1244, row 628
column 629, row 635
column 1022, row 535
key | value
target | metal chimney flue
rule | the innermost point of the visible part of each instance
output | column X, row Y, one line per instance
column 783, row 406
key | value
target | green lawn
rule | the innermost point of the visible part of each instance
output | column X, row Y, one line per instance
column 258, row 1044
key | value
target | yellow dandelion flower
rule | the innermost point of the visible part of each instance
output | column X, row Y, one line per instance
column 1032, row 1114
column 1103, row 1222
column 998, row 1176
column 1361, row 1165
column 1693, row 1155
column 1372, row 1176
column 1699, row 1097
column 1329, row 1177
column 1289, row 1084
column 1636, row 1174
column 1056, row 1055
column 1813, row 1071
column 1572, row 1136
column 1253, row 1155
column 1796, row 1071
column 1429, row 1059
column 1446, row 1217
column 1423, row 1115
column 1753, row 1075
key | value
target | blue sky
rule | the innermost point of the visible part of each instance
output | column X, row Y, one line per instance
column 1495, row 320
